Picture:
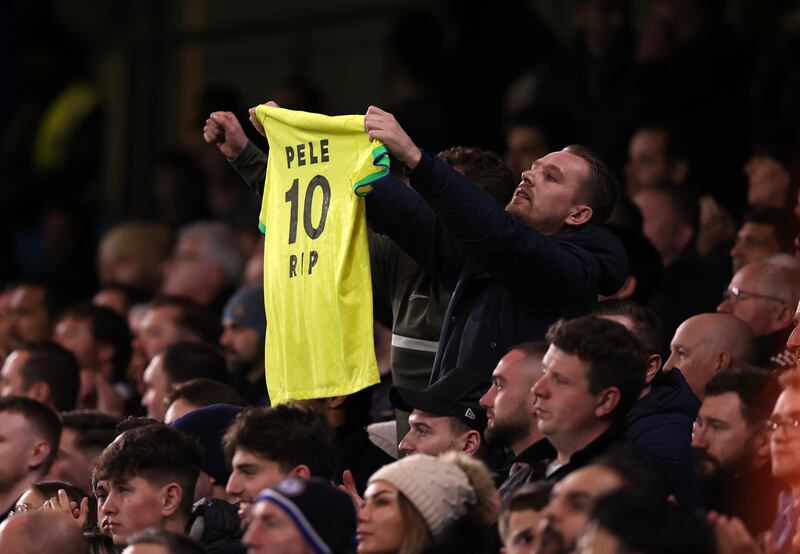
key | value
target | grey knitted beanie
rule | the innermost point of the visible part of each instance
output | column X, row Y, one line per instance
column 439, row 490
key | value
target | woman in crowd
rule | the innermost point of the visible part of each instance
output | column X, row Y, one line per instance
column 60, row 496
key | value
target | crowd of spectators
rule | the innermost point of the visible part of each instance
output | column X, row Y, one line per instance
column 587, row 327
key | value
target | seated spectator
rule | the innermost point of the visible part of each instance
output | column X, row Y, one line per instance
column 511, row 420
column 769, row 179
column 264, row 446
column 706, row 344
column 194, row 394
column 244, row 326
column 146, row 478
column 660, row 422
column 567, row 512
column 207, row 426
column 170, row 319
column 206, row 264
column 358, row 455
column 214, row 521
column 764, row 294
column 634, row 521
column 299, row 515
column 30, row 432
column 161, row 541
column 689, row 283
column 764, row 233
column 41, row 532
column 423, row 501
column 784, row 428
column 51, row 494
column 731, row 446
column 178, row 363
column 84, row 436
column 534, row 132
column 101, row 342
column 594, row 371
column 519, row 519
column 33, row 308
column 445, row 416
column 45, row 372
column 656, row 157
column 131, row 254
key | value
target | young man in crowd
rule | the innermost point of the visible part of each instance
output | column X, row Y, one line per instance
column 267, row 445
column 29, row 435
column 43, row 371
column 146, row 478
column 521, row 515
column 177, row 363
column 244, row 326
column 84, row 436
column 445, row 416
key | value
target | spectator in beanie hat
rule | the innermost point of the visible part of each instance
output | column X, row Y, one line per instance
column 422, row 502
column 244, row 326
column 301, row 516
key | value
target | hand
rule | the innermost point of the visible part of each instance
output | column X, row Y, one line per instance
column 224, row 130
column 349, row 486
column 61, row 503
column 732, row 536
column 254, row 120
column 382, row 125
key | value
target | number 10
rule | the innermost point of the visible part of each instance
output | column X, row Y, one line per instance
column 313, row 231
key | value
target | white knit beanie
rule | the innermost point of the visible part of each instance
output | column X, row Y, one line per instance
column 439, row 490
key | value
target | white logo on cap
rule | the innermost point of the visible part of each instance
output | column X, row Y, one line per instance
column 469, row 413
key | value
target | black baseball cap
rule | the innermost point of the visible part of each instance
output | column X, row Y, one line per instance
column 454, row 395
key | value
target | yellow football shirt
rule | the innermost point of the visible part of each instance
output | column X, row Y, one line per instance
column 317, row 287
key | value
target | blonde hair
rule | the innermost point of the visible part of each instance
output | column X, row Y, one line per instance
column 417, row 535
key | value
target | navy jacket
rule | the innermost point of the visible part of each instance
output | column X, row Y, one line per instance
column 660, row 425
column 509, row 282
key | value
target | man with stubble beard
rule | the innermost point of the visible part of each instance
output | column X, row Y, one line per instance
column 512, row 423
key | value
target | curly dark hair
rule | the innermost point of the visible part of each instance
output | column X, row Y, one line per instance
column 288, row 435
column 157, row 453
column 615, row 357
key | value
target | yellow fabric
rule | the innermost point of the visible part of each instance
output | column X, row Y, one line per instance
column 317, row 287
column 59, row 121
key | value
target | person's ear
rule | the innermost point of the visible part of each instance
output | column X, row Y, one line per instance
column 40, row 391
column 723, row 361
column 579, row 215
column 39, row 454
column 783, row 317
column 761, row 443
column 472, row 442
column 171, row 497
column 607, row 401
column 301, row 472
column 653, row 365
column 335, row 402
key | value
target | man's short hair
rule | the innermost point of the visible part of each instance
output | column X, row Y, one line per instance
column 174, row 543
column 676, row 143
column 157, row 453
column 485, row 168
column 601, row 189
column 757, row 390
column 55, row 365
column 203, row 392
column 615, row 357
column 94, row 430
column 778, row 276
column 109, row 328
column 41, row 418
column 784, row 225
column 192, row 317
column 646, row 324
column 532, row 496
column 185, row 360
column 288, row 435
